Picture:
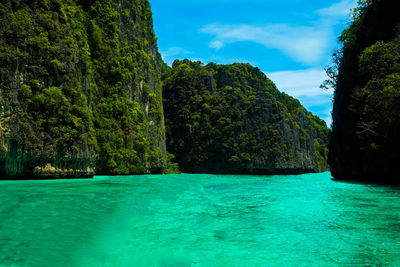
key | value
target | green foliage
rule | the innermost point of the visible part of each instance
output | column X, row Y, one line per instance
column 123, row 145
column 380, row 60
column 172, row 167
column 26, row 91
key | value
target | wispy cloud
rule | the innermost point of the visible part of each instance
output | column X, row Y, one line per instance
column 304, row 85
column 172, row 53
column 301, row 43
column 300, row 82
column 216, row 44
column 336, row 13
column 340, row 9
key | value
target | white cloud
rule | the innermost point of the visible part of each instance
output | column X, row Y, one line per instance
column 217, row 45
column 340, row 9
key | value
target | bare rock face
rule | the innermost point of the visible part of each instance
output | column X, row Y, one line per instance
column 80, row 89
column 232, row 119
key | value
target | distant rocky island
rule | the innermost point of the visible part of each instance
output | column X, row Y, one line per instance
column 81, row 93
column 232, row 119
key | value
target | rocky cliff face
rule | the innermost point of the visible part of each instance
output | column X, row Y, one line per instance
column 80, row 89
column 232, row 119
column 365, row 143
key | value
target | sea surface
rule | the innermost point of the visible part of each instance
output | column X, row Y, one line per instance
column 199, row 220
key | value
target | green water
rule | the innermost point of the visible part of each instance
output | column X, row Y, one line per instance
column 199, row 220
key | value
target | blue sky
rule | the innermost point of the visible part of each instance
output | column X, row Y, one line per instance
column 290, row 40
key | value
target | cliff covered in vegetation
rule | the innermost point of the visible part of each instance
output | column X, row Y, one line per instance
column 232, row 119
column 80, row 89
column 366, row 114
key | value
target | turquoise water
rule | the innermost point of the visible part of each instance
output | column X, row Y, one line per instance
column 199, row 220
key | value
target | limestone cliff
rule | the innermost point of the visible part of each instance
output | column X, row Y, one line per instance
column 80, row 89
column 232, row 119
